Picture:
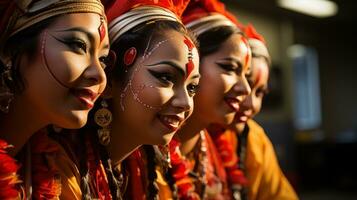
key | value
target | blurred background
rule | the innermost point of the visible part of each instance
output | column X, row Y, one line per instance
column 310, row 114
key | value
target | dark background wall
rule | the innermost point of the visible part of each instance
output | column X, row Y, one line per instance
column 320, row 158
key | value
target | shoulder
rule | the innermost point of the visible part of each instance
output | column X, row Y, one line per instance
column 257, row 133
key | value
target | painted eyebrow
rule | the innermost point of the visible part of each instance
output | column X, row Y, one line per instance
column 196, row 76
column 232, row 59
column 82, row 30
column 87, row 33
column 172, row 64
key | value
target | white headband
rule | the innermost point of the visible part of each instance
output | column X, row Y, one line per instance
column 136, row 16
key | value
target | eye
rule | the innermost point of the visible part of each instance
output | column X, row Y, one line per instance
column 79, row 44
column 104, row 61
column 76, row 45
column 192, row 89
column 163, row 77
column 227, row 67
column 261, row 92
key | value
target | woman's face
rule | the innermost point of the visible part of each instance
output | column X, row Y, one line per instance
column 258, row 81
column 66, row 74
column 223, row 85
column 158, row 95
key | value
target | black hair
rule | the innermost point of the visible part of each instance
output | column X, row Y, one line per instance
column 152, row 187
column 211, row 40
column 22, row 43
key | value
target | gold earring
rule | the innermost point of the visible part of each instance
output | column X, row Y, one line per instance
column 103, row 117
column 6, row 95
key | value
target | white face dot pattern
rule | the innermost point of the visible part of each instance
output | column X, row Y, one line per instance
column 129, row 86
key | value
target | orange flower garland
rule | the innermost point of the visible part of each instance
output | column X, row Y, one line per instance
column 8, row 174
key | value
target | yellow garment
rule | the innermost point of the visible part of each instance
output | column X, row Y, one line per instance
column 164, row 188
column 266, row 180
column 70, row 177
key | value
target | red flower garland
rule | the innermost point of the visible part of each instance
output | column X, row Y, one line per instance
column 229, row 158
column 97, row 173
column 46, row 181
column 180, row 168
column 8, row 174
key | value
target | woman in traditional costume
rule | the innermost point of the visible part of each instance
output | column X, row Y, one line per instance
column 52, row 71
column 196, row 170
column 246, row 140
column 149, row 96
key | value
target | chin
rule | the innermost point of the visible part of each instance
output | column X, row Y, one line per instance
column 226, row 119
column 164, row 140
column 75, row 121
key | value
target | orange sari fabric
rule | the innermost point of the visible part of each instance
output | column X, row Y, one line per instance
column 266, row 181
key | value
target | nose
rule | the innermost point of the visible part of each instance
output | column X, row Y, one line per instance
column 182, row 101
column 242, row 87
column 95, row 73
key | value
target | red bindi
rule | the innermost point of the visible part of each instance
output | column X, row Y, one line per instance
column 189, row 65
column 245, row 41
column 101, row 30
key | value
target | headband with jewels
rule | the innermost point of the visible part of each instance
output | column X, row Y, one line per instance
column 17, row 15
column 203, row 15
column 127, row 14
column 257, row 43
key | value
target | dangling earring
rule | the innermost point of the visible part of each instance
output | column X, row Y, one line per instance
column 103, row 117
column 6, row 96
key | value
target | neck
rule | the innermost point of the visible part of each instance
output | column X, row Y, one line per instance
column 189, row 133
column 17, row 126
column 239, row 127
column 122, row 142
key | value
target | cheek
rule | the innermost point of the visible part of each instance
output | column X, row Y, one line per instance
column 227, row 82
column 148, row 91
column 155, row 97
column 65, row 65
column 257, row 105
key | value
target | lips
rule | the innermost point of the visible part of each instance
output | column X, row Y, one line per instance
column 86, row 96
column 232, row 103
column 172, row 122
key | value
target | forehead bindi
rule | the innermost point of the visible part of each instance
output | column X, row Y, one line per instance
column 190, row 64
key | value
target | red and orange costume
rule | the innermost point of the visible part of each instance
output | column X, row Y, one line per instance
column 265, row 180
column 251, row 164
column 47, row 171
column 124, row 16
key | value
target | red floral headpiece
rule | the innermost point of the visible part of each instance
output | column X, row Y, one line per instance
column 208, row 14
